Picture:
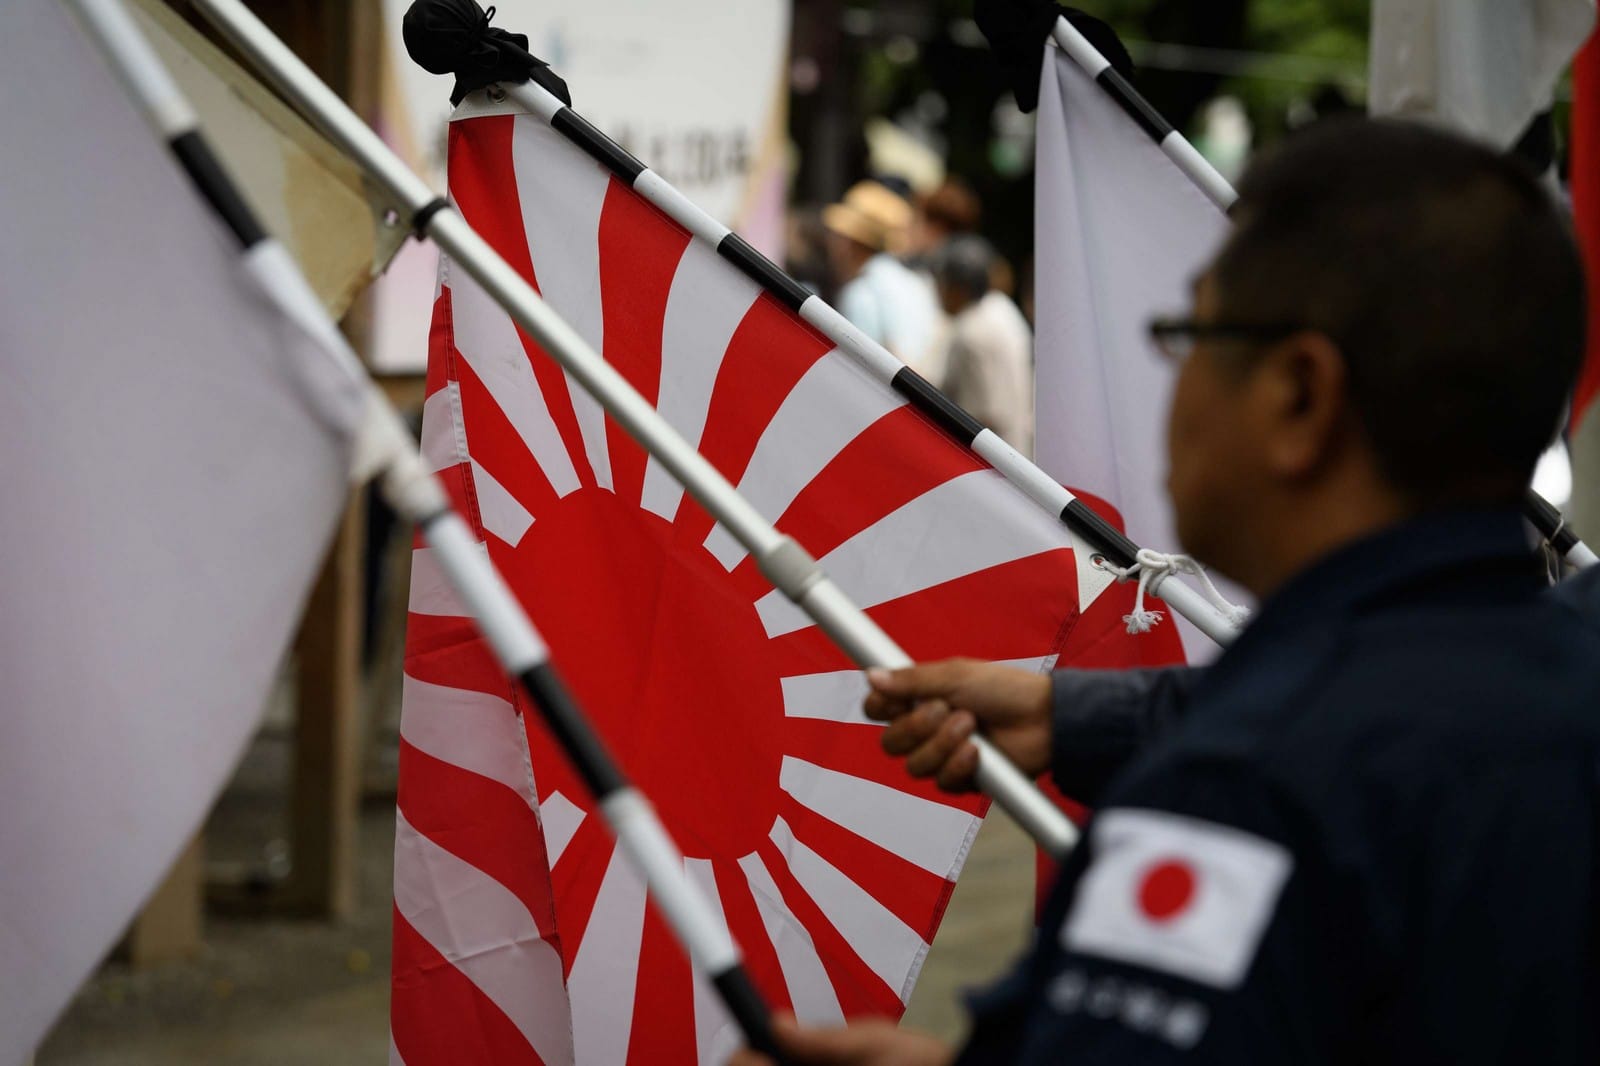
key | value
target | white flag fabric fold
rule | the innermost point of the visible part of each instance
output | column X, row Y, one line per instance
column 1482, row 67
column 175, row 455
column 1120, row 233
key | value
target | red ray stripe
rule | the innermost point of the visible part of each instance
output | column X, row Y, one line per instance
column 905, row 888
column 663, row 1006
column 861, row 992
column 750, row 934
column 440, row 329
column 576, row 883
column 768, row 353
column 496, row 444
column 484, row 188
column 440, row 1018
column 1016, row 610
column 1100, row 640
column 448, row 651
column 856, row 750
column 639, row 252
column 457, row 481
column 899, row 458
column 481, row 822
column 895, row 460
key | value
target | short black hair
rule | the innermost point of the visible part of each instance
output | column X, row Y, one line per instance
column 964, row 262
column 1448, row 277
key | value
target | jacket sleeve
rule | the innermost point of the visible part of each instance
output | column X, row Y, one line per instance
column 1100, row 719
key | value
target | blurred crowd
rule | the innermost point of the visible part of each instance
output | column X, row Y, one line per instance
column 913, row 272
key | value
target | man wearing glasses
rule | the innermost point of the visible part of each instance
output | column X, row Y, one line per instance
column 1371, row 834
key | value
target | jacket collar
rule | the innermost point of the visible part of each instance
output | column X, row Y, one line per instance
column 1414, row 553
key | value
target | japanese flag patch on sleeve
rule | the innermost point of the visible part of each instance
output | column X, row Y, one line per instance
column 1177, row 895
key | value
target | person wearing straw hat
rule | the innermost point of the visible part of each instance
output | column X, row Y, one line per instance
column 880, row 295
column 1374, row 834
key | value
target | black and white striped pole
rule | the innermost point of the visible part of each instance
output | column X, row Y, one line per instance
column 417, row 494
column 1540, row 513
column 1552, row 526
column 1221, row 625
column 781, row 560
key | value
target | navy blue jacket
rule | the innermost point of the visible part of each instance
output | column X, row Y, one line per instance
column 1101, row 719
column 1370, row 837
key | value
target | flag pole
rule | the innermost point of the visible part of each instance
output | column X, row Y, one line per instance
column 388, row 448
column 781, row 559
column 1543, row 515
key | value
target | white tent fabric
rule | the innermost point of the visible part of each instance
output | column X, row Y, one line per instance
column 174, row 459
column 1483, row 67
column 1120, row 233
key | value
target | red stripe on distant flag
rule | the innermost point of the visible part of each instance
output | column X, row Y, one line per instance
column 448, row 651
column 439, row 333
column 438, row 1017
column 457, row 482
column 482, row 822
column 1585, row 183
column 639, row 253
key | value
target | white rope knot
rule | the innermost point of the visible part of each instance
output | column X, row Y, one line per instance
column 1552, row 554
column 1153, row 568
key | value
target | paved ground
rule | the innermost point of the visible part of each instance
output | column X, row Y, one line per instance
column 270, row 992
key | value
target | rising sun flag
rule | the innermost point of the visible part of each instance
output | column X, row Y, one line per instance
column 521, row 933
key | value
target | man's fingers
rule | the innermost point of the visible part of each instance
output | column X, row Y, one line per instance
column 881, row 708
column 960, row 769
column 907, row 732
column 923, row 681
column 745, row 1057
column 929, row 758
column 861, row 1044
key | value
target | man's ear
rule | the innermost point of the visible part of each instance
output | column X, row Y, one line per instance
column 1303, row 387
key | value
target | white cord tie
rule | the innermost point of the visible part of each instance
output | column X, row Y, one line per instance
column 1154, row 568
column 1552, row 555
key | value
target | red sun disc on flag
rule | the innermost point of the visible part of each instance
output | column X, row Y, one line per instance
column 1166, row 889
column 728, row 708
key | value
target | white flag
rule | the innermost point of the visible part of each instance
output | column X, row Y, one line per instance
column 174, row 458
column 1120, row 233
column 1481, row 67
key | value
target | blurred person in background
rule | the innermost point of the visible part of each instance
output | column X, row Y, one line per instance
column 878, row 293
column 989, row 360
column 949, row 210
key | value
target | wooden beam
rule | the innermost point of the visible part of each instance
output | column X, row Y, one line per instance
column 169, row 926
column 324, row 807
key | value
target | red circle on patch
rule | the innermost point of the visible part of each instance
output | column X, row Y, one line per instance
column 1166, row 889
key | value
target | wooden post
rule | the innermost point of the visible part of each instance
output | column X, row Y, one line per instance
column 324, row 808
column 169, row 927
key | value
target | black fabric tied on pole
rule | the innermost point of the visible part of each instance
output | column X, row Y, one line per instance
column 454, row 37
column 1018, row 29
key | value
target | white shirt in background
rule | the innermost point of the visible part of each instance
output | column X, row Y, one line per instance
column 895, row 306
column 990, row 368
